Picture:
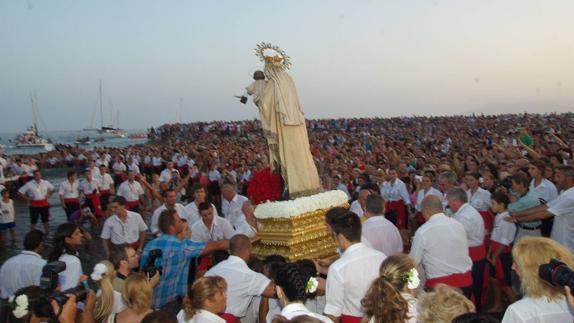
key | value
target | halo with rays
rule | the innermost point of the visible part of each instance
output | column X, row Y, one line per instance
column 284, row 61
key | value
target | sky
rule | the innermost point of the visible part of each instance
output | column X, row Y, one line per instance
column 166, row 61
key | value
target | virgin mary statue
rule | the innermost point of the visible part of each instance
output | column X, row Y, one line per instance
column 283, row 124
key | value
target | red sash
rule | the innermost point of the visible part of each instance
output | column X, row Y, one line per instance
column 488, row 219
column 39, row 203
column 95, row 198
column 105, row 192
column 350, row 319
column 130, row 204
column 72, row 200
column 399, row 208
column 454, row 280
column 477, row 253
column 229, row 318
column 204, row 263
column 498, row 266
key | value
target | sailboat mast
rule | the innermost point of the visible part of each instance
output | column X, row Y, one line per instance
column 33, row 101
column 101, row 108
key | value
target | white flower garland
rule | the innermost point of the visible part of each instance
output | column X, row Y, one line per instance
column 21, row 309
column 312, row 285
column 302, row 205
column 413, row 279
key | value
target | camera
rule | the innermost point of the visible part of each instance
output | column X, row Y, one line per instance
column 149, row 268
column 557, row 273
column 49, row 283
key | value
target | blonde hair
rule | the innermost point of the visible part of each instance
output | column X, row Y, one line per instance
column 383, row 301
column 105, row 303
column 443, row 304
column 137, row 293
column 202, row 289
column 531, row 252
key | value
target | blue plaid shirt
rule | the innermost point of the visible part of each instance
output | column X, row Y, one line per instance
column 176, row 255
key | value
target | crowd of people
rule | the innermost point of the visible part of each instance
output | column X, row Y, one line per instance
column 443, row 212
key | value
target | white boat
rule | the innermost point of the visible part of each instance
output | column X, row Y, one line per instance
column 31, row 139
column 109, row 131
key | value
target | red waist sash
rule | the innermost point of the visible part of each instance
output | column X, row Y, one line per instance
column 454, row 280
column 350, row 319
column 72, row 200
column 130, row 204
column 399, row 207
column 39, row 203
column 229, row 318
column 477, row 253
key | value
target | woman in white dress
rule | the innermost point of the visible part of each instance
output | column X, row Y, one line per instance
column 293, row 290
column 391, row 296
column 542, row 302
column 205, row 300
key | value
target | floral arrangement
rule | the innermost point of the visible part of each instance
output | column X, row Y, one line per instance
column 264, row 186
column 312, row 285
column 20, row 306
column 412, row 278
column 302, row 205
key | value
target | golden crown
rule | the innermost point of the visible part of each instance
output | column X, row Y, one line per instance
column 280, row 59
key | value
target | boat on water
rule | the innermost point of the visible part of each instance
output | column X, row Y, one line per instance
column 138, row 136
column 31, row 138
column 83, row 141
column 107, row 131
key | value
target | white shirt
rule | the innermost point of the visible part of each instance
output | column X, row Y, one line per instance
column 70, row 277
column 200, row 316
column 343, row 187
column 119, row 168
column 7, row 212
column 179, row 208
column 214, row 175
column 394, row 192
column 382, row 235
column 538, row 310
column 480, row 199
column 441, row 246
column 37, row 191
column 563, row 209
column 89, row 187
column 165, row 175
column 156, row 161
column 20, row 271
column 242, row 284
column 69, row 190
column 296, row 309
column 193, row 213
column 130, row 191
column 422, row 194
column 349, row 278
column 246, row 229
column 232, row 209
column 546, row 190
column 107, row 182
column 220, row 229
column 134, row 167
column 473, row 224
column 120, row 232
column 503, row 231
column 356, row 208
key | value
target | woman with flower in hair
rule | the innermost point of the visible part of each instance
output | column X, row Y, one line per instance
column 293, row 290
column 205, row 300
column 391, row 296
column 108, row 300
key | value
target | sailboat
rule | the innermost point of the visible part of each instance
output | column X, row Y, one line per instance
column 31, row 138
column 108, row 131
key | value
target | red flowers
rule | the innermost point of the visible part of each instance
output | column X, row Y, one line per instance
column 264, row 186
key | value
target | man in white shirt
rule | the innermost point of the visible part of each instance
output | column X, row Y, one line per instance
column 70, row 194
column 231, row 205
column 170, row 198
column 24, row 269
column 90, row 186
column 561, row 208
column 378, row 232
column 123, row 227
column 349, row 277
column 250, row 226
column 339, row 185
column 211, row 228
column 396, row 196
column 199, row 196
column 473, row 225
column 358, row 206
column 132, row 191
column 477, row 197
column 242, row 283
column 37, row 192
column 107, row 189
column 542, row 187
column 441, row 247
column 447, row 180
column 166, row 175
